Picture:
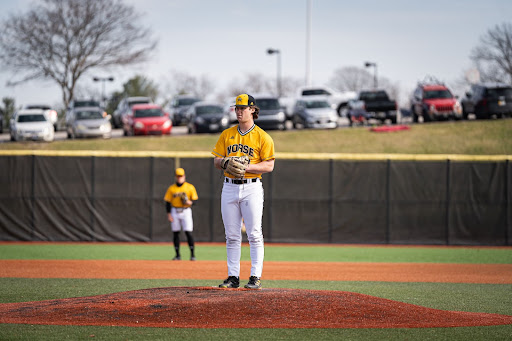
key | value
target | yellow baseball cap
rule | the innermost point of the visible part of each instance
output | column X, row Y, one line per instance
column 180, row 172
column 244, row 100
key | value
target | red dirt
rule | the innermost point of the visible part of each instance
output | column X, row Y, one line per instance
column 199, row 307
column 202, row 307
column 216, row 270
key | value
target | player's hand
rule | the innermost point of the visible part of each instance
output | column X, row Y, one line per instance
column 169, row 217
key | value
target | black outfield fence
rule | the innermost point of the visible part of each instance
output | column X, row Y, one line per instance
column 326, row 198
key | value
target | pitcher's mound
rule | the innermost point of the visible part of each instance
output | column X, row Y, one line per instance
column 203, row 307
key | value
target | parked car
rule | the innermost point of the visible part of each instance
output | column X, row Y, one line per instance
column 378, row 105
column 88, row 122
column 48, row 111
column 206, row 117
column 432, row 100
column 312, row 112
column 146, row 119
column 31, row 124
column 272, row 115
column 178, row 108
column 125, row 107
column 337, row 99
column 488, row 99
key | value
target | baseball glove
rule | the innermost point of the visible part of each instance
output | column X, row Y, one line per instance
column 184, row 198
column 235, row 165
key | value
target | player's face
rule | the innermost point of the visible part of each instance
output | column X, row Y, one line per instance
column 244, row 114
column 180, row 179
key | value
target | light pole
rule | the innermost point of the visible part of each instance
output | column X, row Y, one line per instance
column 103, row 80
column 368, row 64
column 272, row 51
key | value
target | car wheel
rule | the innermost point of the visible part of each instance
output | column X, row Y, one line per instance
column 426, row 117
column 415, row 117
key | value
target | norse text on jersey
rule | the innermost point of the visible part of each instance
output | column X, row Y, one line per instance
column 239, row 147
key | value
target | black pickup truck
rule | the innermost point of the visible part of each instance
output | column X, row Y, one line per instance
column 378, row 105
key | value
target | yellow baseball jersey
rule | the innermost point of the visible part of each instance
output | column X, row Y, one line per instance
column 173, row 194
column 255, row 143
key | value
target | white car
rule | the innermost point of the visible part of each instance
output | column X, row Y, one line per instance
column 338, row 100
column 31, row 124
column 88, row 122
column 48, row 111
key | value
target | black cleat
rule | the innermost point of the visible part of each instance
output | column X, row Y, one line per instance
column 230, row 282
column 254, row 283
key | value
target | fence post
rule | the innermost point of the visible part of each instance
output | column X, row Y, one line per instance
column 507, row 201
column 270, row 190
column 448, row 190
column 388, row 195
column 212, row 200
column 93, row 195
column 151, row 185
column 33, row 199
column 331, row 200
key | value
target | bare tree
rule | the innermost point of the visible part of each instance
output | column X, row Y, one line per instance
column 493, row 55
column 351, row 78
column 183, row 83
column 63, row 39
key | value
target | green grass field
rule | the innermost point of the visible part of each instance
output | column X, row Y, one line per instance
column 489, row 298
column 491, row 137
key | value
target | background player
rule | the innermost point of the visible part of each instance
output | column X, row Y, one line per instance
column 179, row 198
column 242, row 198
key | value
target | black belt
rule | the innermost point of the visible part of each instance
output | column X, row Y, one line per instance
column 242, row 181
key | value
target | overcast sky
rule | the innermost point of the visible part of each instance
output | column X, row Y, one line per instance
column 224, row 39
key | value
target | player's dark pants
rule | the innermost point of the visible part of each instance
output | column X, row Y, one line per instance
column 190, row 240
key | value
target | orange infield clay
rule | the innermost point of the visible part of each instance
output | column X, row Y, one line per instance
column 199, row 307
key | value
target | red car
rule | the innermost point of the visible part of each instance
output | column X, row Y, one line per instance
column 434, row 101
column 147, row 119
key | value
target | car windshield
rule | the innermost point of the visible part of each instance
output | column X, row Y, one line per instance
column 268, row 104
column 31, row 118
column 208, row 109
column 88, row 115
column 79, row 104
column 148, row 113
column 374, row 96
column 187, row 101
column 499, row 92
column 142, row 101
column 43, row 107
column 430, row 94
column 317, row 104
column 314, row 92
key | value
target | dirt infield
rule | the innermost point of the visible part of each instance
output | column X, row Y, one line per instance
column 200, row 307
column 216, row 270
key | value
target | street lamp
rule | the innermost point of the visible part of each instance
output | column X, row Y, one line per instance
column 368, row 64
column 103, row 80
column 272, row 51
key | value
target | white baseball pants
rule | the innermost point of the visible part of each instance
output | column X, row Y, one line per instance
column 237, row 202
